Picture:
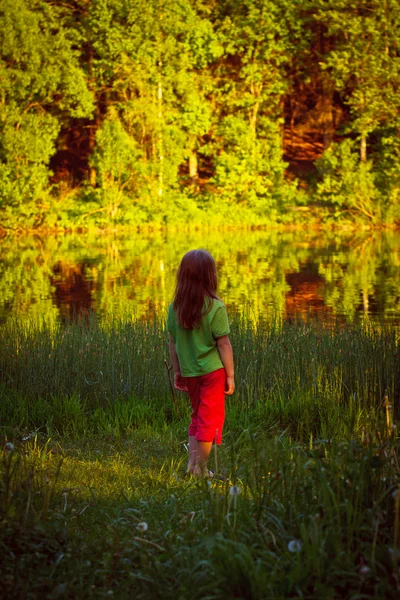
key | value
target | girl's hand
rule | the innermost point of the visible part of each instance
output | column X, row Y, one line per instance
column 229, row 386
column 179, row 382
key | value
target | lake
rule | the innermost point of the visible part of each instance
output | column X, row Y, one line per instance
column 264, row 273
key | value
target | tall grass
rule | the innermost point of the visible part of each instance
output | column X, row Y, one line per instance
column 87, row 376
column 93, row 498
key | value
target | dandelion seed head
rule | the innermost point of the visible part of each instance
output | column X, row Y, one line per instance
column 364, row 570
column 9, row 447
column 142, row 526
column 294, row 546
column 235, row 490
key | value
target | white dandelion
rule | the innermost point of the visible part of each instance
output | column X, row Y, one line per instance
column 142, row 527
column 235, row 490
column 9, row 447
column 364, row 570
column 294, row 546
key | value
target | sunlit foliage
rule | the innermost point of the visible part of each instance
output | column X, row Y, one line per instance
column 126, row 113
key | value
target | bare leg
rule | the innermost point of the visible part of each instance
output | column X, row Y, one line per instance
column 203, row 452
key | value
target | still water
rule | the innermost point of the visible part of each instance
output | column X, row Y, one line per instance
column 265, row 273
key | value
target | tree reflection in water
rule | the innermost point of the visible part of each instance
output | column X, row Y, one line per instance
column 266, row 273
column 72, row 290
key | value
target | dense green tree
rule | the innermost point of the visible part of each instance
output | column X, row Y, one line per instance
column 364, row 66
column 184, row 110
column 41, row 85
column 365, row 61
column 260, row 39
column 146, row 63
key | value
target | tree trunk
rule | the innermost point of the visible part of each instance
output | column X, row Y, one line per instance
column 160, row 46
column 160, row 132
column 327, row 115
column 253, row 118
column 363, row 148
column 193, row 167
column 94, row 124
column 327, row 122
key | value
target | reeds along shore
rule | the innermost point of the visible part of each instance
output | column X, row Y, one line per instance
column 328, row 381
column 94, row 501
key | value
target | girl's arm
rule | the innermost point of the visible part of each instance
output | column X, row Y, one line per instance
column 178, row 379
column 226, row 354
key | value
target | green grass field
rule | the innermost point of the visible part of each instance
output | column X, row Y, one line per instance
column 94, row 501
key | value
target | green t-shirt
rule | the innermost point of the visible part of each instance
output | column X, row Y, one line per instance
column 197, row 348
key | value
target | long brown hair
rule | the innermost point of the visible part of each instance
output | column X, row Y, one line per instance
column 196, row 283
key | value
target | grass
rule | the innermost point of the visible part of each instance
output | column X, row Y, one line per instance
column 88, row 377
column 94, row 447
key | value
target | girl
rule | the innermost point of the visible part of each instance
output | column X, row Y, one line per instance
column 201, row 353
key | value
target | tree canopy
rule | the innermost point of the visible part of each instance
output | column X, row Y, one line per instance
column 127, row 112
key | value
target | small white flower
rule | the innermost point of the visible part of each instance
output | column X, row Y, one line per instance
column 9, row 447
column 364, row 570
column 142, row 526
column 294, row 546
column 235, row 490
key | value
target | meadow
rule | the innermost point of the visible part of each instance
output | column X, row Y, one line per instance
column 305, row 502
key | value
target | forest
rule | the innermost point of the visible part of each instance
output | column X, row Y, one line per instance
column 219, row 112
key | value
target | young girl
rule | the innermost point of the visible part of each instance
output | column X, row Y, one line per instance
column 201, row 353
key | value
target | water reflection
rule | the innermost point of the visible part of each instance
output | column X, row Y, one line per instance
column 72, row 289
column 266, row 273
column 307, row 291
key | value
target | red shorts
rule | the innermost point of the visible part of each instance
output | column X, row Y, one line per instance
column 208, row 405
